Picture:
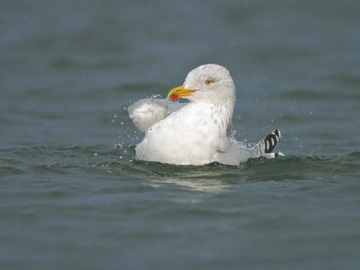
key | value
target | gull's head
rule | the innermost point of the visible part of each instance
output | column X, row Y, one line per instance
column 211, row 82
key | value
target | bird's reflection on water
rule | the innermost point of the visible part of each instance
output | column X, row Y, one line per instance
column 212, row 178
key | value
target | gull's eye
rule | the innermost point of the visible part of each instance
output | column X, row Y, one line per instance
column 209, row 81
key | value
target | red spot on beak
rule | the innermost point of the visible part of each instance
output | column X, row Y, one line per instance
column 174, row 96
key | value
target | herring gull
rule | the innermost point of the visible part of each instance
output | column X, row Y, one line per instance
column 197, row 132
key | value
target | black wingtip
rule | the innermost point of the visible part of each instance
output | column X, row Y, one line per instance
column 271, row 140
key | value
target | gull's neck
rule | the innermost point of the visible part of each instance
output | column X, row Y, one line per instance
column 220, row 110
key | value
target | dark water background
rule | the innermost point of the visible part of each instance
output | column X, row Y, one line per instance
column 71, row 194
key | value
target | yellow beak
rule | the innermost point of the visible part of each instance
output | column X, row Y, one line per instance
column 179, row 92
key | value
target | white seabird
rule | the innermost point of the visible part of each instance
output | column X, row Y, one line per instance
column 198, row 132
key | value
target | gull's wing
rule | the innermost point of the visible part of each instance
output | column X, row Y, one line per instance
column 239, row 152
column 146, row 112
column 266, row 146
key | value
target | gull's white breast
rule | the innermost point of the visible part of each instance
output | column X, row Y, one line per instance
column 191, row 135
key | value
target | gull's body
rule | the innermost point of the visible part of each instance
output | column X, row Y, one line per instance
column 197, row 132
